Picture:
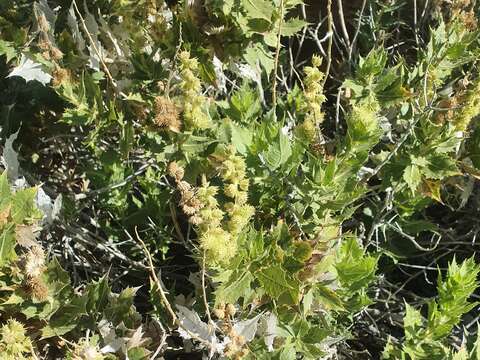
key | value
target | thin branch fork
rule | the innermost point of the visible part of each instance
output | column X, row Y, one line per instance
column 95, row 48
column 277, row 56
column 163, row 296
column 330, row 41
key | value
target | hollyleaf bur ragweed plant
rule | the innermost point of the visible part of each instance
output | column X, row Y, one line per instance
column 218, row 228
column 283, row 180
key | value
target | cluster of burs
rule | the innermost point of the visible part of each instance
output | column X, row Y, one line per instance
column 218, row 224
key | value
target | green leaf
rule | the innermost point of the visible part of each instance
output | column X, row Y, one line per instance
column 328, row 298
column 30, row 311
column 462, row 354
column 279, row 152
column 241, row 138
column 412, row 177
column 14, row 299
column 120, row 308
column 66, row 318
column 412, row 322
column 373, row 64
column 244, row 104
column 292, row 3
column 288, row 353
column 441, row 166
column 5, row 192
column 55, row 273
column 392, row 352
column 97, row 294
column 57, row 330
column 237, row 286
column 355, row 270
column 292, row 26
column 137, row 353
column 475, row 353
column 453, row 295
column 259, row 9
column 23, row 205
column 7, row 245
column 127, row 139
column 273, row 280
column 7, row 49
column 259, row 55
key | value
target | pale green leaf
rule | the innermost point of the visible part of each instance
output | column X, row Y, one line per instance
column 5, row 192
column 7, row 245
column 259, row 9
column 279, row 152
column 236, row 287
column 23, row 205
column 412, row 177
column 273, row 280
column 292, row 26
column 7, row 49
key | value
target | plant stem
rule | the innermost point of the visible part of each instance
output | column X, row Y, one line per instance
column 277, row 56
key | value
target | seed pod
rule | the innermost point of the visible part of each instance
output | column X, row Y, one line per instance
column 43, row 24
column 166, row 114
column 219, row 313
column 230, row 350
column 35, row 262
column 230, row 310
column 55, row 53
column 175, row 171
column 240, row 340
column 37, row 288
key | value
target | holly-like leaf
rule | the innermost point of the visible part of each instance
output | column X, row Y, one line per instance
column 273, row 280
column 191, row 324
column 441, row 166
column 7, row 245
column 412, row 322
column 412, row 177
column 97, row 295
column 7, row 49
column 355, row 269
column 259, row 9
column 23, row 205
column 292, row 26
column 329, row 298
column 65, row 319
column 279, row 152
column 5, row 192
column 258, row 56
column 237, row 286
